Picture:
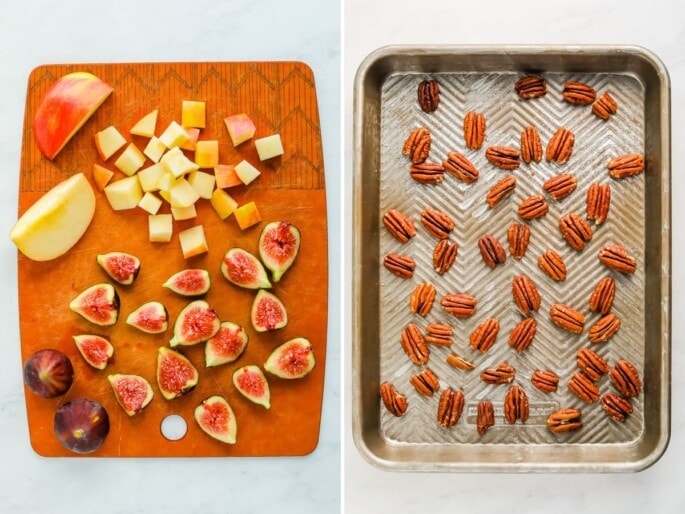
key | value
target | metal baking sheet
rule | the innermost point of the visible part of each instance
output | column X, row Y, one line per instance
column 482, row 79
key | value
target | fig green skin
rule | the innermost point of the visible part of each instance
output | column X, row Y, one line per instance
column 48, row 373
column 98, row 304
column 236, row 262
column 252, row 384
column 189, row 282
column 119, row 266
column 81, row 425
column 279, row 244
column 268, row 312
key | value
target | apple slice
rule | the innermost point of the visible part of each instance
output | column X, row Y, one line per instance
column 154, row 149
column 226, row 176
column 131, row 160
column 184, row 213
column 161, row 227
column 150, row 203
column 101, row 176
column 240, row 128
column 174, row 135
column 207, row 154
column 269, row 147
column 194, row 134
column 177, row 163
column 149, row 177
column 222, row 203
column 108, row 141
column 124, row 194
column 247, row 215
column 64, row 109
column 182, row 194
column 203, row 183
column 52, row 225
column 246, row 172
column 193, row 114
column 145, row 126
column 193, row 241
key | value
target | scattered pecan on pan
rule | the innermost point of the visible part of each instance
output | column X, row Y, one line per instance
column 485, row 334
column 474, row 129
column 414, row 344
column 401, row 265
column 531, row 146
column 515, row 405
column 491, row 251
column 430, row 173
column 399, row 225
column 616, row 407
column 525, row 293
column 602, row 297
column 598, row 201
column 460, row 305
column 518, row 236
column 437, row 223
column 626, row 166
column 504, row 157
column 439, row 334
column 393, row 401
column 450, row 407
column 533, row 207
column 444, row 255
column 604, row 106
column 560, row 147
column 530, row 86
column 458, row 362
column 564, row 420
column 425, row 383
column 591, row 363
column 545, row 380
column 502, row 374
column 429, row 95
column 567, row 318
column 616, row 257
column 417, row 145
column 575, row 230
column 577, row 93
column 560, row 186
column 625, row 378
column 501, row 189
column 604, row 329
column 460, row 167
column 584, row 388
column 486, row 416
column 523, row 334
column 553, row 265
column 421, row 299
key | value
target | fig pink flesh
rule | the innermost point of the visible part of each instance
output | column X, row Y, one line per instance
column 190, row 280
column 215, row 417
column 281, row 242
column 293, row 359
column 95, row 350
column 98, row 305
column 228, row 342
column 198, row 324
column 175, row 374
column 121, row 267
column 132, row 392
column 150, row 319
column 241, row 268
column 251, row 383
column 269, row 313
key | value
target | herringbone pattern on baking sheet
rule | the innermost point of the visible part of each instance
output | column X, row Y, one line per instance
column 506, row 116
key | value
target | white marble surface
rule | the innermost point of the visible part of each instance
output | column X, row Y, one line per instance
column 38, row 32
column 654, row 25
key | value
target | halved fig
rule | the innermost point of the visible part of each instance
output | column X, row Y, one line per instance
column 96, row 350
column 48, row 373
column 151, row 317
column 98, row 304
column 132, row 392
column 244, row 269
column 268, row 312
column 279, row 244
column 120, row 266
column 293, row 359
column 175, row 374
column 227, row 344
column 252, row 384
column 216, row 419
column 197, row 322
column 81, row 425
column 189, row 282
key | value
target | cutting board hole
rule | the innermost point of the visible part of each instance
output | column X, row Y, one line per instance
column 174, row 427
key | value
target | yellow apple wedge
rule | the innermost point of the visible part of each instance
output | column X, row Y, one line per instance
column 52, row 225
column 64, row 109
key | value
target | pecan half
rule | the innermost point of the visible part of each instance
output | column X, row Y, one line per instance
column 414, row 344
column 460, row 167
column 438, row 334
column 485, row 335
column 421, row 299
column 437, row 223
column 577, row 93
column 602, row 297
column 474, row 129
column 522, row 335
column 399, row 225
column 491, row 251
column 533, row 207
column 449, row 407
column 515, row 405
column 626, row 165
column 604, row 106
column 427, row 173
column 530, row 86
column 575, row 230
column 626, row 379
column 425, row 383
column 545, row 380
column 616, row 407
column 401, row 265
column 429, row 95
column 553, row 265
column 598, row 201
column 443, row 256
column 486, row 416
column 457, row 362
column 604, row 329
column 591, row 363
column 525, row 293
column 501, row 189
column 561, row 186
column 460, row 305
column 504, row 157
column 560, row 147
column 502, row 374
column 393, row 401
column 531, row 146
column 417, row 146
column 564, row 420
column 583, row 387
column 518, row 236
column 616, row 257
column 567, row 318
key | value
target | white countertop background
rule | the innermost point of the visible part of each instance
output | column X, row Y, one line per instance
column 40, row 32
column 658, row 26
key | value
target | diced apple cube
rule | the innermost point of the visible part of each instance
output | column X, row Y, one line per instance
column 154, row 149
column 203, row 183
column 184, row 213
column 161, row 226
column 240, row 128
column 247, row 215
column 207, row 154
column 193, row 114
column 124, row 194
column 269, row 147
column 222, row 203
column 165, row 182
column 101, row 176
column 149, row 177
column 246, row 172
column 226, row 176
column 145, row 126
column 130, row 160
column 150, row 203
column 182, row 194
column 194, row 134
column 108, row 141
column 177, row 163
column 193, row 241
column 174, row 135
column 165, row 194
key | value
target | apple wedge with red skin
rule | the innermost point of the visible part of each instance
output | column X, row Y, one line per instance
column 64, row 109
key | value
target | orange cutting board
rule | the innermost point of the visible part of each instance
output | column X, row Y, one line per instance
column 280, row 97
